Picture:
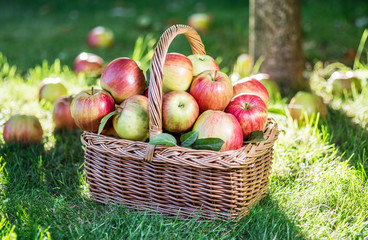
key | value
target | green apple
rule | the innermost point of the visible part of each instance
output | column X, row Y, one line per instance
column 51, row 89
column 343, row 83
column 132, row 122
column 202, row 63
column 305, row 103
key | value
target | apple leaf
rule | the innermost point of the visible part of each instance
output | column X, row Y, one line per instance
column 188, row 138
column 163, row 139
column 104, row 121
column 214, row 144
column 276, row 111
column 256, row 136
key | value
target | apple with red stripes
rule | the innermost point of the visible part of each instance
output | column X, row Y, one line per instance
column 122, row 78
column 23, row 129
column 218, row 124
column 212, row 90
column 250, row 111
column 89, row 107
column 251, row 86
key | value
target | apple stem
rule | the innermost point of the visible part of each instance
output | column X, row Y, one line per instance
column 246, row 106
column 92, row 90
column 215, row 74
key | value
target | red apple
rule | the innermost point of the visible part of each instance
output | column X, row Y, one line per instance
column 177, row 73
column 88, row 63
column 133, row 121
column 305, row 103
column 100, row 37
column 24, row 129
column 61, row 115
column 51, row 89
column 179, row 111
column 123, row 78
column 251, row 86
column 243, row 65
column 217, row 124
column 250, row 111
column 212, row 90
column 202, row 63
column 270, row 84
column 342, row 83
column 145, row 93
column 200, row 21
column 89, row 107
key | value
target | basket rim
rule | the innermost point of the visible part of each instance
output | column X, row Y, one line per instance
column 209, row 159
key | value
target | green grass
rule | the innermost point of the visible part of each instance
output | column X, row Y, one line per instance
column 318, row 186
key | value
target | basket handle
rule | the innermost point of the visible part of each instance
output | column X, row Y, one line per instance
column 155, row 85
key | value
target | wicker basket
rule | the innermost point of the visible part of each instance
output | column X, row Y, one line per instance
column 177, row 181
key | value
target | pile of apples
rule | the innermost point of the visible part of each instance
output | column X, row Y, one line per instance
column 197, row 96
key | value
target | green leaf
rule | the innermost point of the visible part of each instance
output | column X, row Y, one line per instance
column 256, row 136
column 104, row 121
column 276, row 111
column 214, row 144
column 188, row 138
column 163, row 139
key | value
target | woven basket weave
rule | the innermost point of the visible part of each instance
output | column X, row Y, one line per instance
column 177, row 181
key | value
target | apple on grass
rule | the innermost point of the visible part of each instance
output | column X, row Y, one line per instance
column 177, row 73
column 251, row 86
column 218, row 124
column 88, row 63
column 305, row 103
column 200, row 21
column 100, row 37
column 250, row 111
column 89, row 107
column 51, row 89
column 24, row 129
column 202, row 63
column 343, row 83
column 132, row 122
column 243, row 65
column 62, row 115
column 212, row 90
column 179, row 111
column 123, row 78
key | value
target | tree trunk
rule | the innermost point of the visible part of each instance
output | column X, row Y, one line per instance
column 275, row 34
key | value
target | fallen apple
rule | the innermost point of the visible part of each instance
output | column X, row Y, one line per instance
column 200, row 21
column 179, row 111
column 100, row 37
column 342, row 83
column 218, row 124
column 243, row 65
column 305, row 103
column 88, row 63
column 51, row 89
column 123, row 78
column 89, row 107
column 212, row 90
column 250, row 111
column 24, row 129
column 132, row 122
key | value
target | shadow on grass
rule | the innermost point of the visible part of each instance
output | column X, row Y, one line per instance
column 268, row 221
column 350, row 138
